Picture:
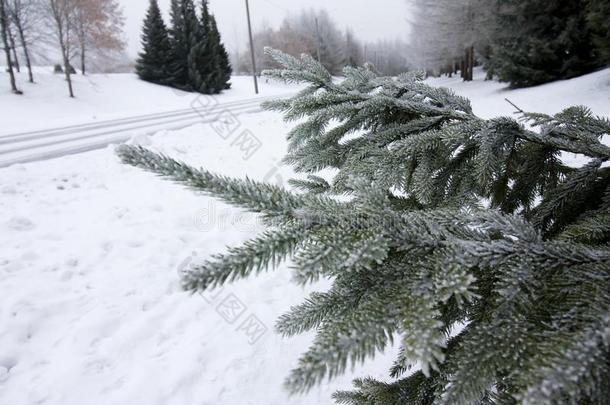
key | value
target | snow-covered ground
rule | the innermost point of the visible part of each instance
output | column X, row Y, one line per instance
column 45, row 104
column 488, row 97
column 90, row 305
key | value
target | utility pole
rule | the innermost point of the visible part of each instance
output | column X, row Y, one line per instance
column 251, row 48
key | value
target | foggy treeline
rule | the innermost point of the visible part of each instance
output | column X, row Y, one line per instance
column 315, row 33
column 447, row 32
column 524, row 42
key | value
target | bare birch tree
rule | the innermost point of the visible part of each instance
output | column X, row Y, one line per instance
column 25, row 15
column 11, row 41
column 4, row 28
column 62, row 14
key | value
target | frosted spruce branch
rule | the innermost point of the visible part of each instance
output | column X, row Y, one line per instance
column 256, row 197
column 466, row 241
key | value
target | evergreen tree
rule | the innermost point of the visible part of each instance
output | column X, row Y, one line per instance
column 201, row 61
column 351, row 50
column 152, row 64
column 209, row 67
column 467, row 240
column 184, row 36
column 538, row 41
column 222, row 66
column 204, row 62
column 598, row 17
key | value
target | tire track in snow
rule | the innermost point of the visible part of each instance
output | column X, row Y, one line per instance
column 51, row 143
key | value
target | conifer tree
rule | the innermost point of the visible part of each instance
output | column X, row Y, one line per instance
column 153, row 62
column 183, row 37
column 201, row 60
column 222, row 74
column 468, row 241
column 598, row 17
column 209, row 67
column 538, row 41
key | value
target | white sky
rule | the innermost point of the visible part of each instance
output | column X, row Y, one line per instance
column 370, row 19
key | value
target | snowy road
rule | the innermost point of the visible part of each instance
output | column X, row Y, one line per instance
column 55, row 142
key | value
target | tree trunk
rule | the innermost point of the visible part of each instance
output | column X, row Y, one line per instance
column 471, row 63
column 7, row 50
column 26, row 51
column 67, row 66
column 82, row 59
column 463, row 68
column 465, row 63
column 11, row 39
column 318, row 41
column 468, row 64
column 63, row 24
column 67, row 70
column 63, row 44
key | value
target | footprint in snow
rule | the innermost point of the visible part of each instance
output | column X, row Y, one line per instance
column 9, row 190
column 20, row 224
column 7, row 363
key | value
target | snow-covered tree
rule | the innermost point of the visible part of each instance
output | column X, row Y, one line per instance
column 388, row 57
column 448, row 34
column 466, row 240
